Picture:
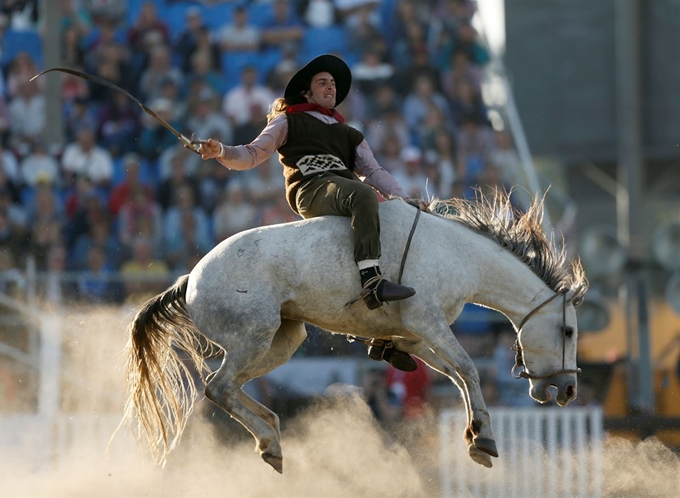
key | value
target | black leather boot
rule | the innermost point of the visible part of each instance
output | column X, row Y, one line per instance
column 376, row 290
column 379, row 349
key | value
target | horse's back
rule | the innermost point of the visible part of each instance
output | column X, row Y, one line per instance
column 302, row 269
column 267, row 266
column 290, row 251
column 289, row 248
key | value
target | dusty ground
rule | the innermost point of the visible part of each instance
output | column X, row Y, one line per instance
column 331, row 450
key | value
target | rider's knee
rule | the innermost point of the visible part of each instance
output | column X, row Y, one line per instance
column 365, row 198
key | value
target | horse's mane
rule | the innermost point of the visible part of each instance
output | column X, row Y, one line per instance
column 519, row 232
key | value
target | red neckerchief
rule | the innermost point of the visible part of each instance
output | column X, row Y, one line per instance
column 311, row 106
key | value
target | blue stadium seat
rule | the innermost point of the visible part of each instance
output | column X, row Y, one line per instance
column 148, row 173
column 216, row 16
column 118, row 172
column 234, row 62
column 14, row 42
column 317, row 41
column 268, row 60
column 351, row 58
column 174, row 15
column 27, row 196
column 388, row 13
column 475, row 319
column 260, row 13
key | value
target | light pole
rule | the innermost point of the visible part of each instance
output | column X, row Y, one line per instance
column 628, row 197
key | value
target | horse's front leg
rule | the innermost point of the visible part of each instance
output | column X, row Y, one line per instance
column 480, row 456
column 425, row 353
column 442, row 351
column 418, row 348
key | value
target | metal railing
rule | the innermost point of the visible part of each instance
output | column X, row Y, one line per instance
column 551, row 452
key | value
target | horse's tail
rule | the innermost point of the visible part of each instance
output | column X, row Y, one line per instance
column 160, row 388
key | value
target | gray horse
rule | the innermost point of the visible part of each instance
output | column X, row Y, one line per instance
column 251, row 295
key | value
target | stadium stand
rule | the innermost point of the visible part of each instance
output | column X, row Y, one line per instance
column 119, row 45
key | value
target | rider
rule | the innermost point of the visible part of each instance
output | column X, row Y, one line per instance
column 322, row 158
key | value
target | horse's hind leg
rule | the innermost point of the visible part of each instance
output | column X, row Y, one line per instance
column 244, row 353
column 244, row 361
column 223, row 390
column 286, row 341
column 261, row 411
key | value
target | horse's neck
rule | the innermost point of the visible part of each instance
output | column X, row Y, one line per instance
column 503, row 282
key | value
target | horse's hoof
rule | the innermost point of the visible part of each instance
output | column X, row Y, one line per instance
column 479, row 457
column 487, row 445
column 275, row 461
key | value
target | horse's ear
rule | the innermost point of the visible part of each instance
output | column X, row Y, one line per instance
column 575, row 296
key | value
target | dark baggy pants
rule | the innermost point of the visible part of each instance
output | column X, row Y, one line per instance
column 329, row 194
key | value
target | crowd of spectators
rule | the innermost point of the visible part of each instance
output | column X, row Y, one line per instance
column 122, row 196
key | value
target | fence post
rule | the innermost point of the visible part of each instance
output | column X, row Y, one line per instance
column 49, row 393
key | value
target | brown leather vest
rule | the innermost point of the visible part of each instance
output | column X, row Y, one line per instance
column 314, row 147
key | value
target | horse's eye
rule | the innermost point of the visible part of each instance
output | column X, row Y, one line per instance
column 577, row 302
column 568, row 331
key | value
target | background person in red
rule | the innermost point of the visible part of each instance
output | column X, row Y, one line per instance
column 411, row 388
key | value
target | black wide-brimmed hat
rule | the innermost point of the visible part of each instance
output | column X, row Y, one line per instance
column 329, row 63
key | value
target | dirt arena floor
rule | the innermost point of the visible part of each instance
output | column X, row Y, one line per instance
column 333, row 449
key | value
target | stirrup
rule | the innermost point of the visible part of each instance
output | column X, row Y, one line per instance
column 377, row 348
column 369, row 293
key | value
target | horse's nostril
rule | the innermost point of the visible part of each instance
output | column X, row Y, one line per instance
column 571, row 391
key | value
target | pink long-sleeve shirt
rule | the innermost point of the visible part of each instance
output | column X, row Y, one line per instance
column 275, row 134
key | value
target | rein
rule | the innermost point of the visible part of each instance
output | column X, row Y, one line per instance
column 519, row 354
column 408, row 245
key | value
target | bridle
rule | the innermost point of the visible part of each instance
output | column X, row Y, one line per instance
column 519, row 354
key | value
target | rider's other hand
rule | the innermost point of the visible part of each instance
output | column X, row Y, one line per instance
column 419, row 203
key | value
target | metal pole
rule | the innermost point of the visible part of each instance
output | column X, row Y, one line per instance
column 54, row 131
column 519, row 138
column 627, row 302
column 630, row 179
column 645, row 375
column 629, row 136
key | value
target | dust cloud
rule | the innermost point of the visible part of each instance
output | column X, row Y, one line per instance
column 635, row 469
column 332, row 449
